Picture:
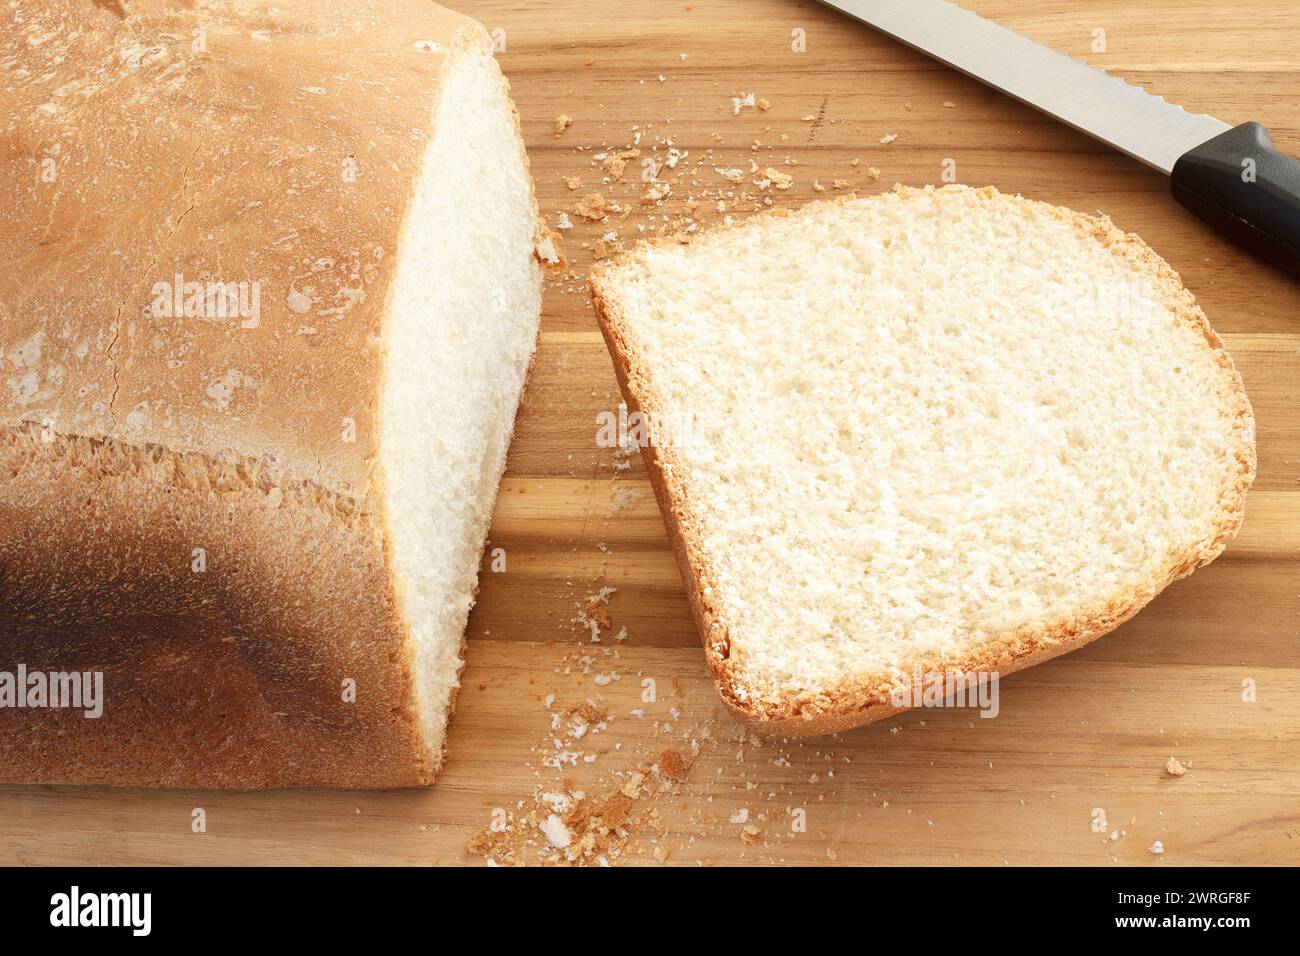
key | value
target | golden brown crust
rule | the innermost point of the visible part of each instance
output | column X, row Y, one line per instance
column 244, row 160
column 862, row 700
column 218, row 140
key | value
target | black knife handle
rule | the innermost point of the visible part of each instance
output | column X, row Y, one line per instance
column 1240, row 184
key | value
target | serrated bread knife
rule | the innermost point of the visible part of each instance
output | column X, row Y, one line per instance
column 1230, row 176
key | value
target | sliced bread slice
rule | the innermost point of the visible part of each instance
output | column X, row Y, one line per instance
column 932, row 431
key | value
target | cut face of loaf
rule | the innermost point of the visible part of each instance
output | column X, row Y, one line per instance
column 264, row 336
column 925, row 432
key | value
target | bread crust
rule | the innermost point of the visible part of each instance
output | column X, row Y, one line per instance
column 864, row 699
column 211, row 140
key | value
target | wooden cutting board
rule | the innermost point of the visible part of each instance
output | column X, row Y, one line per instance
column 1209, row 673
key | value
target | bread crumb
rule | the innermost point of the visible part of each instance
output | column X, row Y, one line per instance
column 1157, row 848
column 622, row 498
column 632, row 788
column 573, row 182
column 888, row 138
column 615, row 162
column 548, row 252
column 655, row 193
column 1175, row 768
column 562, row 122
column 673, row 766
column 557, row 834
column 949, row 104
column 779, row 179
column 593, row 207
column 564, row 825
column 592, row 614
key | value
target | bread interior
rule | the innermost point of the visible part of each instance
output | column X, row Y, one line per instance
column 459, row 337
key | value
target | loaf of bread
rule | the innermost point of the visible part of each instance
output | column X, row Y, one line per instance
column 271, row 290
column 925, row 433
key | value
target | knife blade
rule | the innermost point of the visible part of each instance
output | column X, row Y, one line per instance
column 1233, row 177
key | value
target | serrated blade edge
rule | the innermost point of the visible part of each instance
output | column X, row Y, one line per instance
column 1130, row 119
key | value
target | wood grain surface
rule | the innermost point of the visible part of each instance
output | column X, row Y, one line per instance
column 1085, row 735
